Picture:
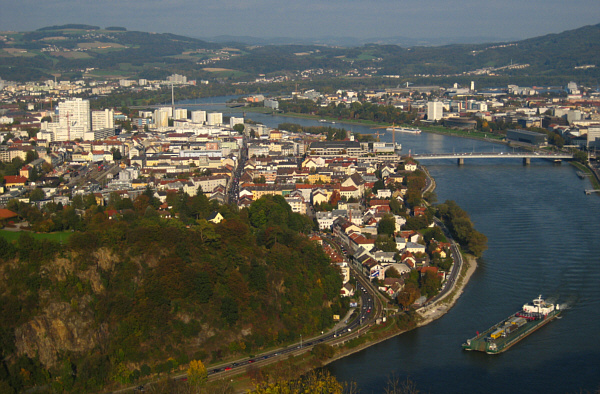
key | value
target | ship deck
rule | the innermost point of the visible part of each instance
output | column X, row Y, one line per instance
column 480, row 343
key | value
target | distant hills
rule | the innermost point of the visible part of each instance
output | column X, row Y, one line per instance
column 347, row 41
column 81, row 51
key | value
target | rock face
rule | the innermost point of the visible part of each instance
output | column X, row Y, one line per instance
column 59, row 328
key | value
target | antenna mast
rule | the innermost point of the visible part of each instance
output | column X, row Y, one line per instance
column 173, row 97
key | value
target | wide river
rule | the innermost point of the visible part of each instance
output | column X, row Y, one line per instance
column 543, row 238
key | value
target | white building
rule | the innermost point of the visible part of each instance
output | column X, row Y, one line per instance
column 75, row 113
column 233, row 121
column 177, row 78
column 273, row 104
column 160, row 118
column 435, row 110
column 198, row 116
column 593, row 137
column 214, row 119
column 180, row 113
column 168, row 110
column 74, row 120
column 296, row 204
column 103, row 119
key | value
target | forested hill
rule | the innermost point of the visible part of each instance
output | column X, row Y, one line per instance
column 117, row 53
column 137, row 294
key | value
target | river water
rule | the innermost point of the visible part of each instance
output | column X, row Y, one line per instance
column 543, row 239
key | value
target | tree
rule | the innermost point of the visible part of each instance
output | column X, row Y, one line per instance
column 260, row 179
column 37, row 194
column 379, row 185
column 408, row 295
column 580, row 156
column 477, row 243
column 313, row 382
column 323, row 351
column 387, row 225
column 395, row 206
column 392, row 273
column 430, row 284
column 116, row 154
column 386, row 243
column 31, row 156
column 229, row 310
column 197, row 374
column 239, row 127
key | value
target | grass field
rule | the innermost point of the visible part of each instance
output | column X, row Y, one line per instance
column 71, row 55
column 58, row 237
column 100, row 45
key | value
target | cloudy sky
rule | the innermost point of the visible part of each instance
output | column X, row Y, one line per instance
column 504, row 19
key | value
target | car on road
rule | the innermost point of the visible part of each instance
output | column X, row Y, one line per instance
column 227, row 368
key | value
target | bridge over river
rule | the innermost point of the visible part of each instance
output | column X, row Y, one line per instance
column 229, row 105
column 525, row 156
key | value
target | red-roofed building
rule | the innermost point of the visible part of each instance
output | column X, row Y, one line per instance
column 26, row 171
column 316, row 239
column 11, row 181
column 6, row 214
column 419, row 211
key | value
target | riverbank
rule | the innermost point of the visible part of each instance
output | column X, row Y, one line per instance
column 439, row 308
column 476, row 135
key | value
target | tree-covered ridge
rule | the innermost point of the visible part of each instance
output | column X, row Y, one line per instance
column 69, row 26
column 553, row 54
column 147, row 295
column 544, row 59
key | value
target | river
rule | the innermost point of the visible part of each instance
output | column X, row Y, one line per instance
column 543, row 239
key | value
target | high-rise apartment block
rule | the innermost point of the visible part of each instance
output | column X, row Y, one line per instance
column 198, row 116
column 214, row 119
column 160, row 118
column 176, row 78
column 435, row 110
column 180, row 113
column 233, row 121
column 74, row 117
column 103, row 119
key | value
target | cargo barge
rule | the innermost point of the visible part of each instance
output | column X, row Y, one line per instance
column 404, row 130
column 502, row 336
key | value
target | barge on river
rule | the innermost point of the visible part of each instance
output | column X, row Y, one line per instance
column 511, row 330
column 404, row 130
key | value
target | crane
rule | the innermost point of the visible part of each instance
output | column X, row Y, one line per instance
column 386, row 127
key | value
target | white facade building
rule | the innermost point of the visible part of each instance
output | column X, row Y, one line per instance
column 233, row 121
column 160, row 118
column 75, row 116
column 435, row 110
column 214, row 119
column 180, row 113
column 198, row 116
column 103, row 119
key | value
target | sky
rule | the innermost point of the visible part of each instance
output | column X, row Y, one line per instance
column 504, row 19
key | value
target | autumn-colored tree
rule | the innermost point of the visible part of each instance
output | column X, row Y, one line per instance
column 314, row 382
column 197, row 374
column 408, row 295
